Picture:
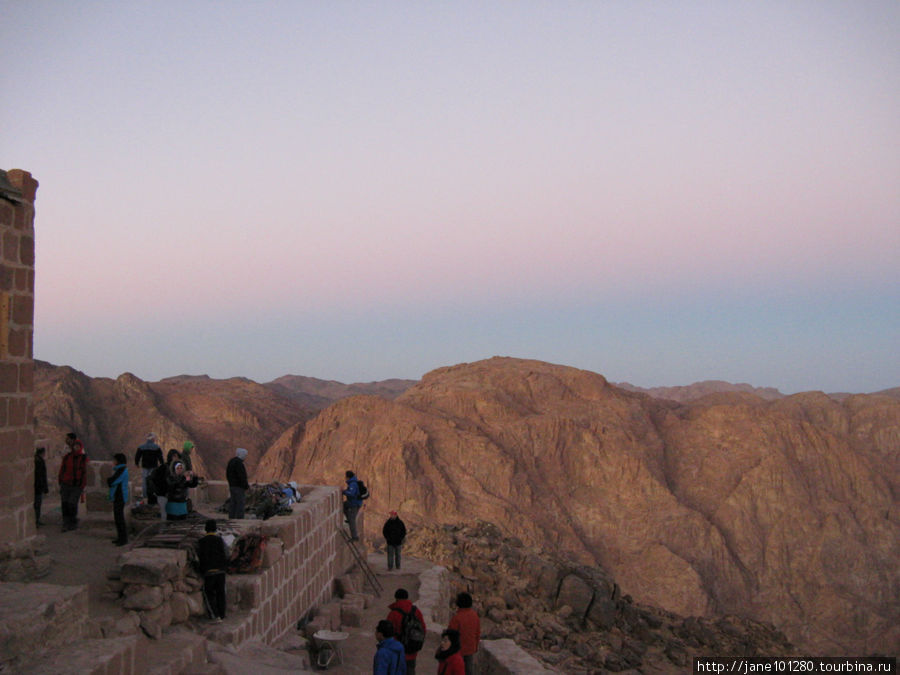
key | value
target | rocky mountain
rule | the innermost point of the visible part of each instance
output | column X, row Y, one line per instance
column 781, row 511
column 692, row 392
column 317, row 394
column 116, row 415
column 217, row 415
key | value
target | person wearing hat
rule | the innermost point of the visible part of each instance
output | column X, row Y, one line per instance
column 186, row 455
column 179, row 482
column 236, row 474
column 148, row 457
column 394, row 532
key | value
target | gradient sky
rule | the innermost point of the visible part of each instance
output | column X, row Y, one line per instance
column 661, row 192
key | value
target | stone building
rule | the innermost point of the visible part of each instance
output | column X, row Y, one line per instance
column 17, row 193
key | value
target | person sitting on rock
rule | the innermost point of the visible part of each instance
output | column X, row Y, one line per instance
column 213, row 562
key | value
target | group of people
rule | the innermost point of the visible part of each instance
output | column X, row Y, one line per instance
column 398, row 645
column 166, row 482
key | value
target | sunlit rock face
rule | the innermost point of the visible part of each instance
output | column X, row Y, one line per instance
column 782, row 510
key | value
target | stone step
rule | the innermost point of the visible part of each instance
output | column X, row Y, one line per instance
column 179, row 651
column 35, row 615
column 110, row 656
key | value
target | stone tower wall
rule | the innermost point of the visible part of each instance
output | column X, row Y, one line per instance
column 16, row 357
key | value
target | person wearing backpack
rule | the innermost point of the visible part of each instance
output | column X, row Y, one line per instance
column 409, row 626
column 353, row 500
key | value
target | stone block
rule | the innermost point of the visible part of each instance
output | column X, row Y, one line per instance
column 576, row 593
column 153, row 566
column 352, row 608
column 181, row 608
column 273, row 553
column 143, row 597
column 154, row 621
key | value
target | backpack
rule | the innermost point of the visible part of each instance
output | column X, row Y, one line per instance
column 363, row 490
column 159, row 479
column 412, row 632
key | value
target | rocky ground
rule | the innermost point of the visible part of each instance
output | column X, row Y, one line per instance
column 574, row 618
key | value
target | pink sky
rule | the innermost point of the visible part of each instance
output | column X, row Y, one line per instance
column 592, row 184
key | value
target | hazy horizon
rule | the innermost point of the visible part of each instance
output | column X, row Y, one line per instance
column 662, row 193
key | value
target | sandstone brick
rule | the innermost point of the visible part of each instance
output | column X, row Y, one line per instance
column 9, row 377
column 10, row 243
column 23, row 310
column 24, row 182
column 152, row 565
column 6, row 214
column 26, row 250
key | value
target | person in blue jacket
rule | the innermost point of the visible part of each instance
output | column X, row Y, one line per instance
column 390, row 659
column 352, row 502
column 118, row 495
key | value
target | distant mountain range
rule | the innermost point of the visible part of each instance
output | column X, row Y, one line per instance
column 710, row 499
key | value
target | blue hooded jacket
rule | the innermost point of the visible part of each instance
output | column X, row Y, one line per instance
column 390, row 659
column 119, row 479
column 352, row 492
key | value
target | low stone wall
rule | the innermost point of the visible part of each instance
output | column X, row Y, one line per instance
column 303, row 556
column 505, row 657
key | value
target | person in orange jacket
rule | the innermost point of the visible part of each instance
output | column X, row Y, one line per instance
column 468, row 624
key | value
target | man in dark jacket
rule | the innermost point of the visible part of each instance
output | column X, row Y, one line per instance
column 400, row 608
column 72, row 481
column 394, row 532
column 236, row 474
column 41, row 487
column 148, row 457
column 213, row 562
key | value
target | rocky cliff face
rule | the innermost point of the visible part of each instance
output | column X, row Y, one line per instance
column 116, row 415
column 783, row 511
column 575, row 618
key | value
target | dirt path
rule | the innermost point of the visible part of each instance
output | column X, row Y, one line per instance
column 359, row 648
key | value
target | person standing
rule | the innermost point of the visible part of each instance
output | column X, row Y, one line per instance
column 402, row 611
column 118, row 495
column 41, row 487
column 186, row 450
column 160, row 479
column 394, row 532
column 213, row 561
column 450, row 662
column 236, row 474
column 352, row 503
column 72, row 481
column 468, row 624
column 389, row 657
column 148, row 457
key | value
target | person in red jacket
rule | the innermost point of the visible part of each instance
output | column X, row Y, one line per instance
column 450, row 661
column 72, row 481
column 400, row 608
column 468, row 624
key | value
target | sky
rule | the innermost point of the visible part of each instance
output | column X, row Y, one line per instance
column 660, row 192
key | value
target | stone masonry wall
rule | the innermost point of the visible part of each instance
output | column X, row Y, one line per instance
column 303, row 556
column 16, row 359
